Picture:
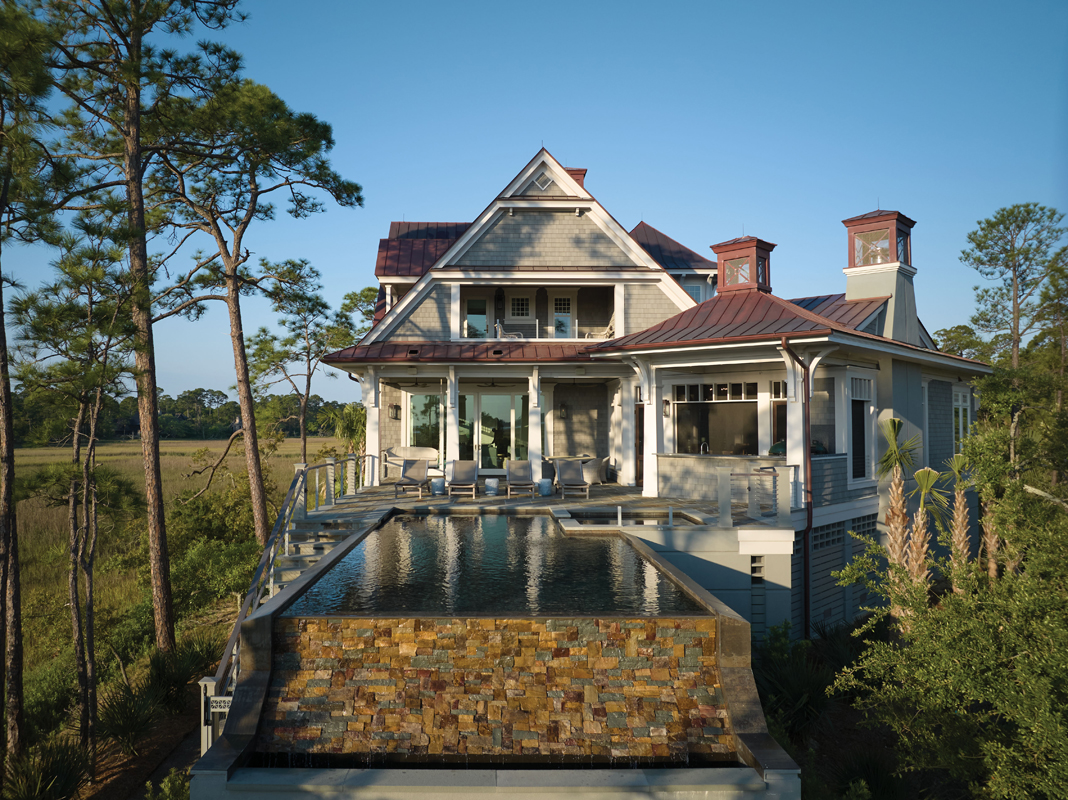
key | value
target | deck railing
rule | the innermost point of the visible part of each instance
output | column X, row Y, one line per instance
column 327, row 483
column 766, row 492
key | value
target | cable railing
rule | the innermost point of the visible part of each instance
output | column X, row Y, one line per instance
column 327, row 483
column 763, row 492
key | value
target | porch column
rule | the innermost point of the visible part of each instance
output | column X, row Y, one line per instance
column 549, row 396
column 373, row 443
column 373, row 447
column 452, row 422
column 628, row 466
column 615, row 422
column 534, row 425
column 795, row 425
column 654, row 434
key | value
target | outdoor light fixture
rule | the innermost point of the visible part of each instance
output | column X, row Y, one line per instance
column 394, row 411
column 667, row 408
column 563, row 411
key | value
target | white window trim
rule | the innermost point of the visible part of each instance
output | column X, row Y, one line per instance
column 573, row 295
column 871, row 479
column 962, row 399
column 406, row 418
column 509, row 296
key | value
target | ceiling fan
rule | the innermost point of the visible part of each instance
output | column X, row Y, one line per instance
column 494, row 385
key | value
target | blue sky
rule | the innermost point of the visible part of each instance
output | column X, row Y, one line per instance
column 704, row 119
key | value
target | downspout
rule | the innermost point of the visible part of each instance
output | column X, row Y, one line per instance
column 807, row 463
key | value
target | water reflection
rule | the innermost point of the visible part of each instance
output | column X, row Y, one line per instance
column 520, row 566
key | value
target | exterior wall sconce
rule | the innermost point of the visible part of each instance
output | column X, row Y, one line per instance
column 667, row 408
column 394, row 411
column 563, row 411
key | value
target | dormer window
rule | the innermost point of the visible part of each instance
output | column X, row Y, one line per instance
column 872, row 247
column 737, row 271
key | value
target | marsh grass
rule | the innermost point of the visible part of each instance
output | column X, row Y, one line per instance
column 43, row 544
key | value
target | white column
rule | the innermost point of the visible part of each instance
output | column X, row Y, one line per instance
column 654, row 435
column 615, row 423
column 300, row 502
column 331, row 475
column 628, row 467
column 454, row 312
column 620, row 310
column 796, row 447
column 373, row 446
column 350, row 474
column 534, row 425
column 452, row 420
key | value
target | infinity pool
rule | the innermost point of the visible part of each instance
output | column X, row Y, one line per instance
column 492, row 566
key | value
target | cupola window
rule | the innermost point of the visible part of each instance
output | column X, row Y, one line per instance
column 737, row 271
column 902, row 246
column 872, row 247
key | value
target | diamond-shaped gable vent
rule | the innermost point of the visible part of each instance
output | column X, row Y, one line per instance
column 543, row 181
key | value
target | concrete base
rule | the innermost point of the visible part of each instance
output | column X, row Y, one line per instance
column 728, row 783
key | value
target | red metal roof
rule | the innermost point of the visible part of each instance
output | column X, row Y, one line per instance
column 529, row 350
column 666, row 252
column 743, row 315
column 847, row 313
column 872, row 216
column 427, row 230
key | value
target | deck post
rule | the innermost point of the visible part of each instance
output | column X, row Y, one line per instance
column 331, row 469
column 723, row 489
column 300, row 502
column 783, row 497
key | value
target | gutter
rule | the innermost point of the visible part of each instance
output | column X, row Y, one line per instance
column 806, row 379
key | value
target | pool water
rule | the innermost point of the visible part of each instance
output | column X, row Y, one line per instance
column 609, row 521
column 491, row 566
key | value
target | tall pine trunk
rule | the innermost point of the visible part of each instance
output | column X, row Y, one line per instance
column 73, row 598
column 248, row 410
column 11, row 600
column 145, row 362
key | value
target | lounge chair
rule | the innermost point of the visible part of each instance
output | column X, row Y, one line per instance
column 464, row 478
column 413, row 477
column 569, row 479
column 519, row 478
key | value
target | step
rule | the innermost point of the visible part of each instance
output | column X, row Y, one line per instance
column 312, row 548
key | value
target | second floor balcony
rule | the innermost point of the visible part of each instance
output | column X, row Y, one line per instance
column 527, row 312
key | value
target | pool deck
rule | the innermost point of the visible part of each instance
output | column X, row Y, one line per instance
column 604, row 498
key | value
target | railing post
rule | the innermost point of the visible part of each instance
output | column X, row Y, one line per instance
column 331, row 467
column 350, row 475
column 753, row 489
column 207, row 723
column 300, row 502
column 783, row 496
column 723, row 479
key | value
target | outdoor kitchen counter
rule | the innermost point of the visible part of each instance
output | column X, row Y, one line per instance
column 693, row 476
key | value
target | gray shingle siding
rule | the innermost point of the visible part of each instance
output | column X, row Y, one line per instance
column 585, row 430
column 939, row 423
column 830, row 482
column 429, row 321
column 389, row 430
column 646, row 306
column 543, row 238
column 822, row 412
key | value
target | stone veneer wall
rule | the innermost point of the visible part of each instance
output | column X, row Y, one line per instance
column 588, row 688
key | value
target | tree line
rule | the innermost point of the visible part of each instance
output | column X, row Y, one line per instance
column 139, row 151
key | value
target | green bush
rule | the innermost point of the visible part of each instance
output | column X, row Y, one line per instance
column 174, row 787
column 792, row 683
column 53, row 770
column 867, row 773
column 126, row 714
column 132, row 633
column 209, row 570
column 50, row 691
column 170, row 673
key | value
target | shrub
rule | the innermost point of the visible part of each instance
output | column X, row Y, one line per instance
column 53, row 770
column 867, row 773
column 50, row 692
column 170, row 673
column 792, row 683
column 174, row 787
column 209, row 570
column 126, row 714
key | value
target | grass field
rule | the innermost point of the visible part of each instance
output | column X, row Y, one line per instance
column 43, row 532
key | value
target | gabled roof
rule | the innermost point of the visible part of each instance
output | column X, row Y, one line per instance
column 666, row 252
column 414, row 247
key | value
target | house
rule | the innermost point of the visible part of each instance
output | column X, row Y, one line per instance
column 544, row 328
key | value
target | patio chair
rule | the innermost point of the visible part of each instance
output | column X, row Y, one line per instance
column 505, row 334
column 596, row 470
column 519, row 478
column 464, row 478
column 413, row 477
column 569, row 479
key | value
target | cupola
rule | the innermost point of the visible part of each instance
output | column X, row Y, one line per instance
column 879, row 237
column 879, row 264
column 744, row 263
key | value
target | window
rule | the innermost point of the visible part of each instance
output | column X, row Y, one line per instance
column 693, row 290
column 902, row 246
column 872, row 247
column 860, row 428
column 737, row 271
column 519, row 308
column 717, row 418
column 962, row 416
column 562, row 318
column 762, row 270
column 476, row 320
